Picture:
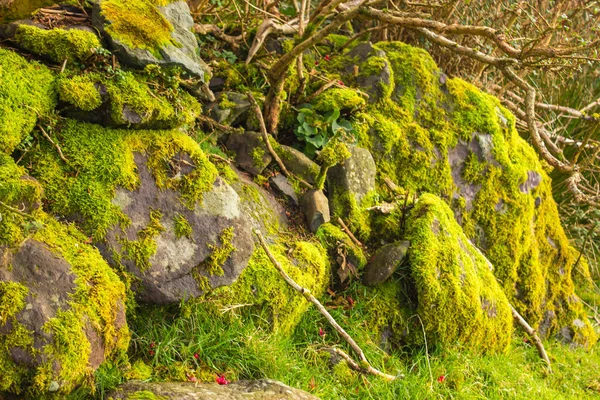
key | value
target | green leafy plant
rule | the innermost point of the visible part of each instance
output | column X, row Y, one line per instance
column 315, row 130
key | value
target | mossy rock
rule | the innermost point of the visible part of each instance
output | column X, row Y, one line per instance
column 129, row 99
column 459, row 299
column 58, row 44
column 144, row 32
column 152, row 202
column 429, row 133
column 19, row 9
column 62, row 312
column 27, row 91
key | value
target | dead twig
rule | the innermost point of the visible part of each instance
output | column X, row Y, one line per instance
column 533, row 334
column 363, row 365
column 56, row 146
column 349, row 233
column 265, row 137
column 16, row 211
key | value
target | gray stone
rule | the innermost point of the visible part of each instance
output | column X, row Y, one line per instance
column 261, row 208
column 373, row 84
column 251, row 154
column 232, row 115
column 533, row 180
column 316, row 209
column 263, row 389
column 355, row 175
column 281, row 185
column 385, row 261
column 297, row 163
column 185, row 55
column 175, row 271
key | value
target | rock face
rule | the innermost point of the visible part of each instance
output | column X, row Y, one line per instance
column 251, row 154
column 194, row 249
column 316, row 209
column 168, row 30
column 264, row 389
column 297, row 163
column 230, row 108
column 355, row 176
column 385, row 261
column 281, row 184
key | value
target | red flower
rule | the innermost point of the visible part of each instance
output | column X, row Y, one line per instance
column 321, row 332
column 151, row 352
column 316, row 63
column 196, row 356
column 441, row 378
column 152, row 345
column 192, row 378
column 341, row 83
column 327, row 58
column 221, row 380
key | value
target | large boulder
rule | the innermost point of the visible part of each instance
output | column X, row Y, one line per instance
column 263, row 389
column 154, row 205
column 142, row 33
column 430, row 133
column 459, row 299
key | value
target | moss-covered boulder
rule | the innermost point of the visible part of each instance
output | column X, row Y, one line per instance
column 429, row 133
column 18, row 9
column 27, row 91
column 152, row 202
column 459, row 299
column 62, row 308
column 144, row 32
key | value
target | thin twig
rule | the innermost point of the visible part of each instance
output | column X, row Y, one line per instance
column 265, row 136
column 64, row 65
column 534, row 336
column 60, row 153
column 364, row 364
column 16, row 211
column 349, row 233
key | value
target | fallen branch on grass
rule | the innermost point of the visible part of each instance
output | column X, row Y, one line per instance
column 533, row 334
column 363, row 365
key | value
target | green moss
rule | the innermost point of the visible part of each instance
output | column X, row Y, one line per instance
column 337, row 40
column 332, row 238
column 12, row 301
column 141, row 250
column 138, row 24
column 225, row 103
column 182, row 227
column 257, row 156
column 343, row 373
column 27, row 90
column 104, row 160
column 220, row 254
column 58, row 44
column 261, row 285
column 459, row 298
column 473, row 169
column 139, row 371
column 20, row 193
column 144, row 395
column 14, row 10
column 342, row 99
column 80, row 91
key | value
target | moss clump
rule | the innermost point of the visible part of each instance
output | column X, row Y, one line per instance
column 220, row 254
column 225, row 103
column 138, row 24
column 12, row 301
column 81, row 92
column 141, row 250
column 58, row 44
column 182, row 227
column 459, row 298
column 334, row 152
column 344, row 100
column 20, row 193
column 261, row 285
column 104, row 159
column 332, row 237
column 19, row 9
column 473, row 170
column 27, row 90
column 343, row 373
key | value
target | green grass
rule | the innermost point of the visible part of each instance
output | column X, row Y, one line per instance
column 238, row 342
